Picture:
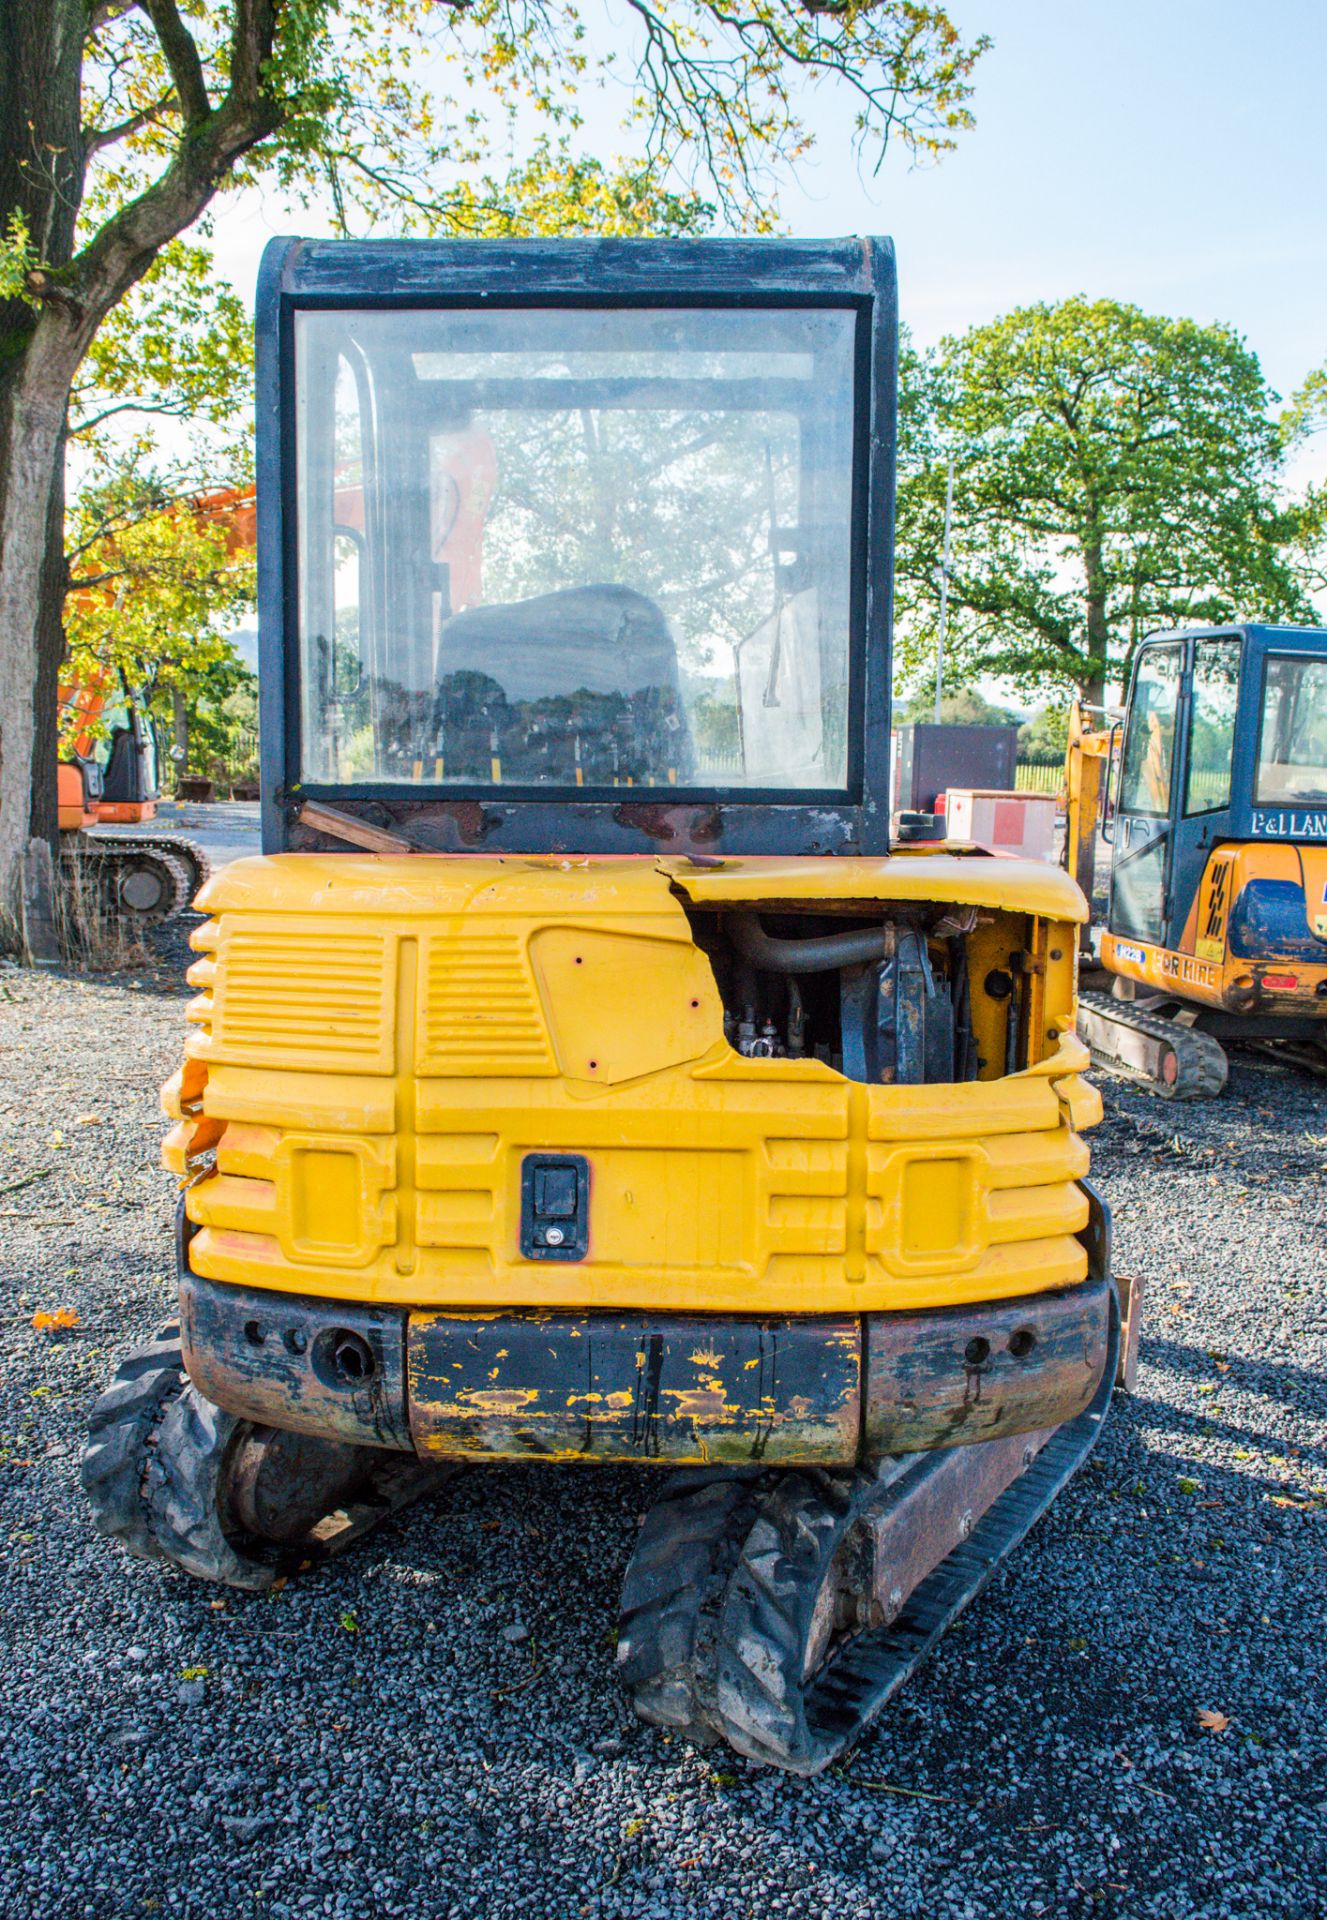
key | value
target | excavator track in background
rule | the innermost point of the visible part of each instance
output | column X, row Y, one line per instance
column 145, row 877
column 1172, row 1059
column 780, row 1612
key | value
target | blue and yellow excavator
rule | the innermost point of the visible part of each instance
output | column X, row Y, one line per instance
column 1215, row 923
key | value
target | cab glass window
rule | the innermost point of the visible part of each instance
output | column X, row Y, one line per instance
column 576, row 548
column 1292, row 743
column 1212, row 725
column 1149, row 746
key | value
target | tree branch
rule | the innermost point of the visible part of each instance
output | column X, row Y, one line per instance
column 102, row 15
column 186, row 69
column 174, row 409
column 122, row 250
column 95, row 138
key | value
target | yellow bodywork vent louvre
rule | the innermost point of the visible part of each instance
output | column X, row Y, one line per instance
column 481, row 1012
column 324, row 1001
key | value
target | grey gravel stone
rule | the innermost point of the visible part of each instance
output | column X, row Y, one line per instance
column 243, row 1826
column 425, row 1766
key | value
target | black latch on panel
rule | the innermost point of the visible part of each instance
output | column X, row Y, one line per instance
column 555, row 1206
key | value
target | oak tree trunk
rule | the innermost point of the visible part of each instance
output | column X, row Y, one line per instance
column 41, row 180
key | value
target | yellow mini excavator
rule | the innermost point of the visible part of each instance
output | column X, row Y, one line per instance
column 579, row 1075
column 1216, row 920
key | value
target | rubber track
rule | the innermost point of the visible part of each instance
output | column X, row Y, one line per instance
column 122, row 1427
column 156, row 1471
column 188, row 863
column 675, row 1582
column 186, row 1495
column 763, row 1705
column 1200, row 1060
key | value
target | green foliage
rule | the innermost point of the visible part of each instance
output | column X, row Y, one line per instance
column 179, row 347
column 221, row 716
column 1307, row 412
column 18, row 258
column 1045, row 737
column 161, row 414
column 159, row 582
column 1115, row 472
column 1306, row 416
column 964, row 707
column 556, row 192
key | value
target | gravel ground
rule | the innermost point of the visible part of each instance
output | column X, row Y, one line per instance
column 432, row 1725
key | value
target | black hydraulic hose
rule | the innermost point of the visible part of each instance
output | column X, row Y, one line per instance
column 822, row 955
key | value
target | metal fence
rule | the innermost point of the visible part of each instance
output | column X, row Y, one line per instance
column 1035, row 776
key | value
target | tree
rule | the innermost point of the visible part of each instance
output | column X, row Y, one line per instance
column 1307, row 412
column 1305, row 416
column 1114, row 472
column 963, row 707
column 121, row 119
column 1044, row 738
column 161, row 581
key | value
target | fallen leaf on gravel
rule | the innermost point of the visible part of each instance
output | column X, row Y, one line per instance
column 88, row 1120
column 350, row 1621
column 1186, row 1485
column 193, row 1673
column 62, row 1317
column 1214, row 1722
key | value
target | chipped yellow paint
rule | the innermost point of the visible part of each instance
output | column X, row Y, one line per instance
column 704, row 1404
column 497, row 1399
column 706, row 1357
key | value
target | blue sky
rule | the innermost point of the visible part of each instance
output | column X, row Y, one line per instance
column 1168, row 152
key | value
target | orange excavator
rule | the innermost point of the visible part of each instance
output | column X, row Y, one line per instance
column 108, row 774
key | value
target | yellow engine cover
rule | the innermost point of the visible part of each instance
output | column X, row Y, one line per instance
column 380, row 1041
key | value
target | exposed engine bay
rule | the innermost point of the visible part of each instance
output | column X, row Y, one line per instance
column 928, row 994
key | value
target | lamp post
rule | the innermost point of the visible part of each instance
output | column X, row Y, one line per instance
column 944, row 591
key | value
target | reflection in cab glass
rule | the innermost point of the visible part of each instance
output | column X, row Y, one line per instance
column 1292, row 749
column 1149, row 747
column 1212, row 711
column 576, row 549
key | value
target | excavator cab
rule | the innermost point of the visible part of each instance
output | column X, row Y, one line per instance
column 579, row 1076
column 1216, row 926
